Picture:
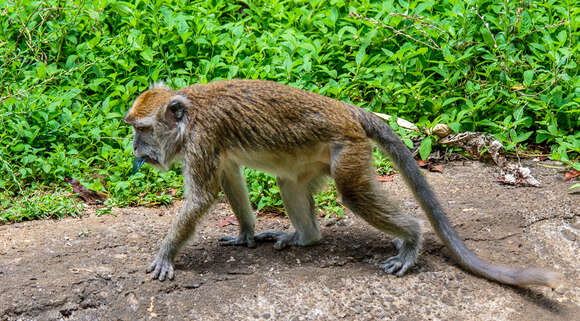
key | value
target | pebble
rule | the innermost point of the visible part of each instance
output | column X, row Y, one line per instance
column 576, row 224
column 569, row 235
column 192, row 286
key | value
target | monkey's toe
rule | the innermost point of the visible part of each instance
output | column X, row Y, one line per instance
column 240, row 240
column 395, row 264
column 269, row 236
column 161, row 269
column 391, row 265
column 282, row 239
column 400, row 263
column 398, row 243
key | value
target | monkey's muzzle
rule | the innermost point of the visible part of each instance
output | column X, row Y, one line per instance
column 137, row 163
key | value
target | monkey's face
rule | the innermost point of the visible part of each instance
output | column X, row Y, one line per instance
column 158, row 117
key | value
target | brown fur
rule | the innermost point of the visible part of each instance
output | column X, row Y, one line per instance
column 300, row 137
column 148, row 103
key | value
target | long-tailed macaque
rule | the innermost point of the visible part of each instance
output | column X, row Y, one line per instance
column 301, row 137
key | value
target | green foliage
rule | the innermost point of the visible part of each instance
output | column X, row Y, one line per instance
column 327, row 203
column 35, row 205
column 70, row 70
column 264, row 192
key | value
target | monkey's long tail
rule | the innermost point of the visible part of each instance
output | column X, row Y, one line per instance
column 403, row 160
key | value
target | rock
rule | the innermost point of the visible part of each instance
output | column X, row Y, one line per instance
column 442, row 130
column 192, row 286
column 569, row 235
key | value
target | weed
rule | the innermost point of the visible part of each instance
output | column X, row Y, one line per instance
column 70, row 70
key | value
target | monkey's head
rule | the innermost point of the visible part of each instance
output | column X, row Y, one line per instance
column 159, row 118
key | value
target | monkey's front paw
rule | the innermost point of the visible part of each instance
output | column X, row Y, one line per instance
column 246, row 239
column 161, row 269
column 401, row 262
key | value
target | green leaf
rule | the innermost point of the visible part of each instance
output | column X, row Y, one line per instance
column 360, row 55
column 574, row 186
column 147, row 54
column 528, row 77
column 523, row 137
column 553, row 129
column 541, row 137
column 46, row 167
column 486, row 37
column 562, row 36
column 526, row 23
column 425, row 148
column 70, row 94
column 451, row 100
column 408, row 142
column 519, row 113
column 487, row 122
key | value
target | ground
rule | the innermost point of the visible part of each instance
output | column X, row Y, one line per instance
column 93, row 268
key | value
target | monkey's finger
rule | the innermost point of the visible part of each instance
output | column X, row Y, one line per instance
column 156, row 272
column 166, row 271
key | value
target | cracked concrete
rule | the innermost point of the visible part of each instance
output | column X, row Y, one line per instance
column 93, row 268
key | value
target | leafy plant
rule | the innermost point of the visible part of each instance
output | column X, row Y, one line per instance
column 35, row 205
column 327, row 203
column 71, row 69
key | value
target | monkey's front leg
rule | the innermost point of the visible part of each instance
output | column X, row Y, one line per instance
column 234, row 187
column 181, row 229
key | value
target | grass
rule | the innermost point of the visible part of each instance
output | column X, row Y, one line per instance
column 70, row 69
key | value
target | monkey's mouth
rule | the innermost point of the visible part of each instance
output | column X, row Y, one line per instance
column 151, row 161
column 139, row 161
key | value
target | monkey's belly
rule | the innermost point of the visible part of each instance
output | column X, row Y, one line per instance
column 298, row 164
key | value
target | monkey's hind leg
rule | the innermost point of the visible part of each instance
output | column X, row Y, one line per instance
column 352, row 170
column 299, row 206
column 234, row 187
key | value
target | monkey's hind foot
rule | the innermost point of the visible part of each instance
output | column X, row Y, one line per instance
column 282, row 239
column 246, row 239
column 400, row 263
column 162, row 268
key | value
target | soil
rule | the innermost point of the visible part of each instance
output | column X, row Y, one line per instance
column 93, row 268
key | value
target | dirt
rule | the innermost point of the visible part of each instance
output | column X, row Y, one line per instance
column 93, row 268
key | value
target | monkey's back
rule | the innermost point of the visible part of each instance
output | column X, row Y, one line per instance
column 264, row 114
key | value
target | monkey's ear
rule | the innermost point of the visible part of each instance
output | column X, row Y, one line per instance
column 177, row 107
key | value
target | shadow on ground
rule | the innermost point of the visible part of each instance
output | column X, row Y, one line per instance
column 93, row 268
